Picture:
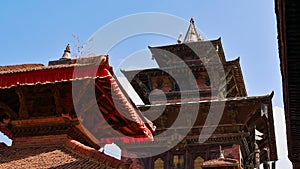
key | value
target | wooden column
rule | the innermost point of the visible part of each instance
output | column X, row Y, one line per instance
column 57, row 100
column 23, row 110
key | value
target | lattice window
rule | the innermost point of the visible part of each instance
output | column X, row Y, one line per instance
column 178, row 161
column 198, row 163
column 159, row 164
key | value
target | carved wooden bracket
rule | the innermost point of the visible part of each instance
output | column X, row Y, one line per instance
column 23, row 110
column 8, row 110
column 57, row 100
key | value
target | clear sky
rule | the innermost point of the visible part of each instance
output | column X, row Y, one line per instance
column 35, row 31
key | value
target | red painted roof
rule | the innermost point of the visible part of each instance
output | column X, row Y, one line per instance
column 51, row 74
column 19, row 67
column 68, row 73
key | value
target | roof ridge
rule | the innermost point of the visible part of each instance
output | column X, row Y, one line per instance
column 8, row 68
column 78, row 62
column 91, row 153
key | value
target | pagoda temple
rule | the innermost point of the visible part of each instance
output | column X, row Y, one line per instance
column 58, row 116
column 243, row 138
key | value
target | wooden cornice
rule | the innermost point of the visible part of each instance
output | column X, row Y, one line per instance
column 189, row 140
column 40, row 121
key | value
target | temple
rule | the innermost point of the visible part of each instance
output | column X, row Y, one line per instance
column 196, row 109
column 58, row 116
column 194, row 77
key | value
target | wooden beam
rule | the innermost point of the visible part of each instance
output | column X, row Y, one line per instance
column 88, row 106
column 227, row 73
column 109, row 99
column 230, row 90
column 82, row 87
column 252, row 112
column 117, row 126
column 244, row 141
column 198, row 127
column 236, row 84
column 104, row 93
column 225, row 80
column 88, row 134
column 42, row 121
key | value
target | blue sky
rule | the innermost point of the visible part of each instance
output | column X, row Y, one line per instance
column 35, row 31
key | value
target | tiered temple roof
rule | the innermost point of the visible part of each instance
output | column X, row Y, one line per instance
column 48, row 110
column 242, row 114
column 233, row 75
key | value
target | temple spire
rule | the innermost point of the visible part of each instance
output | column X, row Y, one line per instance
column 221, row 155
column 67, row 53
column 179, row 38
column 192, row 35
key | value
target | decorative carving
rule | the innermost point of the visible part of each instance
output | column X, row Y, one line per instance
column 233, row 114
column 57, row 100
column 38, row 130
column 8, row 110
column 23, row 110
